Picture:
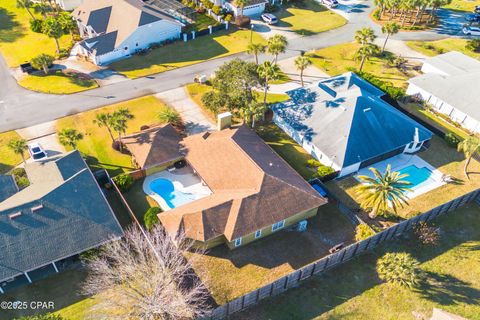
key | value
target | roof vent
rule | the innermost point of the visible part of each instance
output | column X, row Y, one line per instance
column 36, row 208
column 368, row 109
column 15, row 215
column 206, row 135
column 270, row 164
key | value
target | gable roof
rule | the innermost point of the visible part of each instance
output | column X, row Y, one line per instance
column 458, row 85
column 252, row 187
column 115, row 20
column 154, row 146
column 71, row 216
column 345, row 118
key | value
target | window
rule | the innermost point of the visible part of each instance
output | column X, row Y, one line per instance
column 258, row 234
column 238, row 242
column 278, row 225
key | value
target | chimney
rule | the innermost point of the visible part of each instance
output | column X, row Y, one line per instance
column 224, row 120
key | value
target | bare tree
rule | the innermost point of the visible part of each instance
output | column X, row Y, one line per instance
column 145, row 276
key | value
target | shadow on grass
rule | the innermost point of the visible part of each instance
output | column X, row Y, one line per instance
column 5, row 168
column 10, row 30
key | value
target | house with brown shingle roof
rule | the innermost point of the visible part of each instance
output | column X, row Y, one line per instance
column 254, row 191
column 115, row 29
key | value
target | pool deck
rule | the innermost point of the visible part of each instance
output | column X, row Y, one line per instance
column 184, row 180
column 402, row 161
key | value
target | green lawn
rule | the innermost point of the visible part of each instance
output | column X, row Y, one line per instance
column 433, row 48
column 18, row 44
column 440, row 156
column 57, row 83
column 8, row 160
column 463, row 5
column 96, row 144
column 287, row 148
column 353, row 291
column 309, row 17
column 202, row 21
column 138, row 201
column 338, row 59
column 434, row 120
column 181, row 54
column 232, row 273
column 283, row 78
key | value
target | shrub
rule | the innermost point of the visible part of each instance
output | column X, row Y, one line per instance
column 123, row 181
column 36, row 25
column 473, row 45
column 399, row 268
column 63, row 53
column 228, row 17
column 363, row 231
column 312, row 163
column 216, row 10
column 201, row 10
column 47, row 316
column 395, row 93
column 150, row 217
column 324, row 171
column 271, row 8
column 452, row 140
column 376, row 14
column 426, row 234
column 213, row 101
column 21, row 179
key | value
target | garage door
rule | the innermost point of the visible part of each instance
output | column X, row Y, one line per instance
column 254, row 10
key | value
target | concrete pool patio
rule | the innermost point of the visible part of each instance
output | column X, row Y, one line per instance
column 186, row 185
column 403, row 161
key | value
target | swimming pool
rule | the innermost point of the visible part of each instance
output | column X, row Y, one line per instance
column 172, row 197
column 418, row 177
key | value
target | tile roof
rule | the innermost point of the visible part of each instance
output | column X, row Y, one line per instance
column 154, row 146
column 252, row 187
column 345, row 118
column 72, row 216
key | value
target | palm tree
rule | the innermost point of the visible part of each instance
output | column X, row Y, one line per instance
column 53, row 29
column 365, row 36
column 389, row 28
column 119, row 123
column 42, row 62
column 253, row 112
column 69, row 137
column 255, row 49
column 268, row 71
column 26, row 4
column 169, row 115
column 380, row 191
column 68, row 24
column 18, row 146
column 276, row 45
column 399, row 268
column 102, row 119
column 365, row 53
column 302, row 63
column 470, row 147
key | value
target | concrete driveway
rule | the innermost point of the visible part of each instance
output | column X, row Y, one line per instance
column 45, row 135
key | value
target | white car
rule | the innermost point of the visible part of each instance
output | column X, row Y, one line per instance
column 36, row 151
column 330, row 3
column 469, row 30
column 269, row 18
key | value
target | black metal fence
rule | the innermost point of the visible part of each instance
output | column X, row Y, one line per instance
column 293, row 279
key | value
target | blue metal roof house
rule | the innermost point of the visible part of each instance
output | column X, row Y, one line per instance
column 61, row 214
column 343, row 123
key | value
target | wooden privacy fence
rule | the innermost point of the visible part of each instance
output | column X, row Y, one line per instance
column 294, row 278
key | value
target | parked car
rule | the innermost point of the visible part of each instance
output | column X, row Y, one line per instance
column 36, row 151
column 330, row 3
column 473, row 18
column 470, row 30
column 269, row 18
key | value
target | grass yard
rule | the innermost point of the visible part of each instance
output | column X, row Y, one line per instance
column 308, row 18
column 440, row 156
column 8, row 159
column 353, row 290
column 283, row 78
column 196, row 92
column 232, row 273
column 433, row 48
column 96, row 144
column 138, row 201
column 287, row 148
column 57, row 82
column 181, row 54
column 202, row 21
column 339, row 59
column 18, row 44
column 434, row 120
column 463, row 5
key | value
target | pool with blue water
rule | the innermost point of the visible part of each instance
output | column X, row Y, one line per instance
column 173, row 197
column 417, row 176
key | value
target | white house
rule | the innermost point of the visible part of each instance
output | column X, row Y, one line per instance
column 254, row 8
column 116, row 29
column 343, row 123
column 450, row 83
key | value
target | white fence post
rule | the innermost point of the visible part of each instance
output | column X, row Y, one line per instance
column 185, row 37
column 210, row 29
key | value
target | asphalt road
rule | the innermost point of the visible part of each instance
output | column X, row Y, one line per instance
column 21, row 108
